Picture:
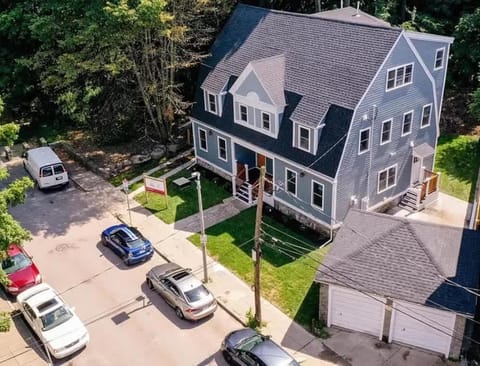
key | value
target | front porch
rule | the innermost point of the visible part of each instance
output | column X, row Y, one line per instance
column 246, row 184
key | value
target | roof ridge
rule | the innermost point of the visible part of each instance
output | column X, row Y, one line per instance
column 313, row 16
column 259, row 60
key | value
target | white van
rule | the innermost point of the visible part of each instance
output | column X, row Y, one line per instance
column 45, row 167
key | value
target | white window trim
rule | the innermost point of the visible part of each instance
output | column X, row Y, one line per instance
column 218, row 148
column 395, row 68
column 429, row 117
column 435, row 68
column 299, row 135
column 269, row 121
column 386, row 170
column 389, row 134
column 207, row 99
column 411, row 122
column 286, row 181
column 323, row 195
column 200, row 140
column 360, row 140
column 240, row 105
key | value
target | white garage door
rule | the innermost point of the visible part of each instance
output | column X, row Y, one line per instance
column 354, row 310
column 404, row 328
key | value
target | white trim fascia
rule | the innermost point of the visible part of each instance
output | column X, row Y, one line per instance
column 218, row 148
column 333, row 213
column 404, row 66
column 269, row 121
column 294, row 133
column 312, row 182
column 389, row 132
column 200, row 139
column 443, row 59
column 386, row 170
column 329, row 306
column 360, row 140
column 216, row 166
column 260, row 150
column 306, row 214
column 429, row 37
column 255, row 104
column 316, row 133
column 411, row 122
column 241, row 78
column 352, row 122
column 286, row 182
column 429, row 75
column 429, row 117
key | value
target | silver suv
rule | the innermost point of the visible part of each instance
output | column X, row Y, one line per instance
column 181, row 290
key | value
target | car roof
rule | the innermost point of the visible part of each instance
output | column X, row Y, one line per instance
column 272, row 354
column 38, row 295
column 127, row 233
column 188, row 283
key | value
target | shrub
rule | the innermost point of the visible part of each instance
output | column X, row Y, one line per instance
column 252, row 322
column 5, row 320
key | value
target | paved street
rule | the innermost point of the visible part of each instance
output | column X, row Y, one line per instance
column 128, row 323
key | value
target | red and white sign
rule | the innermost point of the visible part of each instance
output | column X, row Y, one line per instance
column 155, row 185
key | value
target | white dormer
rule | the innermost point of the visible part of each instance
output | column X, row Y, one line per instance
column 259, row 95
column 306, row 138
column 214, row 90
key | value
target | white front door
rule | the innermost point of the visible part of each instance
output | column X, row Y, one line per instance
column 416, row 170
column 422, row 326
column 354, row 310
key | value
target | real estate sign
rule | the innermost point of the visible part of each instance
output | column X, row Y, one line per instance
column 155, row 185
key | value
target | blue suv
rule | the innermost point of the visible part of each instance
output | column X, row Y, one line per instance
column 128, row 243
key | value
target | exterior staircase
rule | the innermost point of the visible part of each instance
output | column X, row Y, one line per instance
column 242, row 193
column 411, row 200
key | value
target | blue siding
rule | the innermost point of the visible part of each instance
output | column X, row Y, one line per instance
column 212, row 145
column 304, row 191
column 427, row 50
column 353, row 174
column 252, row 84
column 245, row 156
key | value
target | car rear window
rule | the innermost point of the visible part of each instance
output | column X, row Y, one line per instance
column 58, row 169
column 196, row 294
column 46, row 172
column 15, row 263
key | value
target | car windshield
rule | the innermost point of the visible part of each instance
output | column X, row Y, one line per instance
column 249, row 343
column 54, row 318
column 15, row 263
column 136, row 243
column 196, row 294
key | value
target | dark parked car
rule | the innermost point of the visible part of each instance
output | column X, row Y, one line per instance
column 128, row 243
column 246, row 347
column 182, row 291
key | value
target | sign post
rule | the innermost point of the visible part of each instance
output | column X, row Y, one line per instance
column 156, row 185
column 125, row 189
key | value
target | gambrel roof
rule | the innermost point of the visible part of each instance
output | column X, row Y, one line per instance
column 405, row 260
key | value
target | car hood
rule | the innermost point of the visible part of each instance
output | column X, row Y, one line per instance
column 65, row 333
column 24, row 276
column 238, row 336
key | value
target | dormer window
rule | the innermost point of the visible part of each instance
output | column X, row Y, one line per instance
column 439, row 55
column 266, row 121
column 399, row 76
column 303, row 138
column 243, row 113
column 212, row 103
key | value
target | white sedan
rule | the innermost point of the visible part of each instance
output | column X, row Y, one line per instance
column 55, row 323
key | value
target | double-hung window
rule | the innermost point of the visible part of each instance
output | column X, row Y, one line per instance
column 399, row 76
column 386, row 132
column 202, row 137
column 222, row 148
column 364, row 141
column 426, row 115
column 243, row 113
column 266, row 121
column 303, row 138
column 407, row 123
column 317, row 194
column 439, row 55
column 212, row 103
column 291, row 181
column 387, row 178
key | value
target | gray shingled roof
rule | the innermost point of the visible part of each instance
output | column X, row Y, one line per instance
column 271, row 73
column 405, row 260
column 326, row 61
column 349, row 14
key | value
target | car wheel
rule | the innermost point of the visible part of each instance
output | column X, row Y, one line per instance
column 149, row 284
column 179, row 313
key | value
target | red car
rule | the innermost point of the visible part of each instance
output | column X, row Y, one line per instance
column 20, row 270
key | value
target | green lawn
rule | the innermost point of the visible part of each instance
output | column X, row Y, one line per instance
column 285, row 281
column 458, row 160
column 182, row 202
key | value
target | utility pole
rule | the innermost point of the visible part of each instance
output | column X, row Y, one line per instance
column 258, row 245
column 203, row 237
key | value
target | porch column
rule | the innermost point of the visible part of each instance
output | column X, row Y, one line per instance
column 247, row 178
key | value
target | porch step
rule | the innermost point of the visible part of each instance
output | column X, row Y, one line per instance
column 409, row 201
column 242, row 193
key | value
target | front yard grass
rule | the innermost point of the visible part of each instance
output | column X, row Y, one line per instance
column 182, row 202
column 288, row 266
column 458, row 161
